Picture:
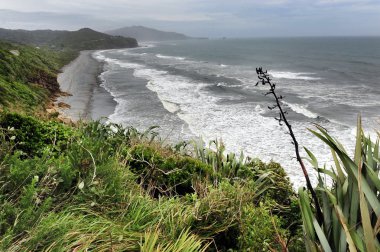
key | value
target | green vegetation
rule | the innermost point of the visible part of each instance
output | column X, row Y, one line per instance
column 24, row 64
column 106, row 187
column 28, row 76
column 83, row 39
column 44, row 134
column 87, row 39
column 351, row 205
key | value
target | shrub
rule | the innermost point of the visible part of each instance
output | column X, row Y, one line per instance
column 84, row 193
column 165, row 172
column 259, row 229
column 33, row 136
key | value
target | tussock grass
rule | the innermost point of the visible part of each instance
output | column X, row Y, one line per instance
column 91, row 193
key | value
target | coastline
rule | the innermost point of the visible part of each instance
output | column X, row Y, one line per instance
column 82, row 97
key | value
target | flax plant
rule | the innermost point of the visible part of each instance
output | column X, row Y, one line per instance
column 351, row 205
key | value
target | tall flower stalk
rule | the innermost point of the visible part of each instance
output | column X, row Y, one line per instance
column 264, row 79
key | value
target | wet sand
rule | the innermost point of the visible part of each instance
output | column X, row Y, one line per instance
column 87, row 100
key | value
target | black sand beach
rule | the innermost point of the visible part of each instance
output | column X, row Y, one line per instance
column 140, row 108
column 88, row 99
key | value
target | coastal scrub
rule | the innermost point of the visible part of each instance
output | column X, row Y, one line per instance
column 92, row 193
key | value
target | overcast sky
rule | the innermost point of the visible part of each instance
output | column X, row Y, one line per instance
column 209, row 18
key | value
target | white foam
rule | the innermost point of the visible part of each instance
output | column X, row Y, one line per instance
column 240, row 125
column 352, row 96
column 169, row 57
column 223, row 84
column 169, row 106
column 146, row 45
column 109, row 88
column 259, row 109
column 292, row 75
column 301, row 109
column 98, row 55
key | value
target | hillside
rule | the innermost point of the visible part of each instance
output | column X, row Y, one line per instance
column 83, row 39
column 142, row 33
column 28, row 76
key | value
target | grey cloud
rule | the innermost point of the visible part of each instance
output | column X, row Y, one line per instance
column 201, row 17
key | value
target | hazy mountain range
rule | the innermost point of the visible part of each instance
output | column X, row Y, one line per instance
column 88, row 39
column 83, row 39
column 142, row 33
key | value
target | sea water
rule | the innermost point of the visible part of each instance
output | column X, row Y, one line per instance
column 206, row 89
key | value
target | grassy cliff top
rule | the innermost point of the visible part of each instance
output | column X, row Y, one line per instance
column 23, row 63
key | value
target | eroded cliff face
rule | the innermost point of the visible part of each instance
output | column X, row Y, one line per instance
column 28, row 77
column 46, row 80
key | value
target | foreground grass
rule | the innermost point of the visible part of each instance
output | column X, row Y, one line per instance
column 102, row 187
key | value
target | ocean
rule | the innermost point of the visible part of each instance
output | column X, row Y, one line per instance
column 205, row 89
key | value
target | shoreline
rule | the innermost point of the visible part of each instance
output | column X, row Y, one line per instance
column 81, row 96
